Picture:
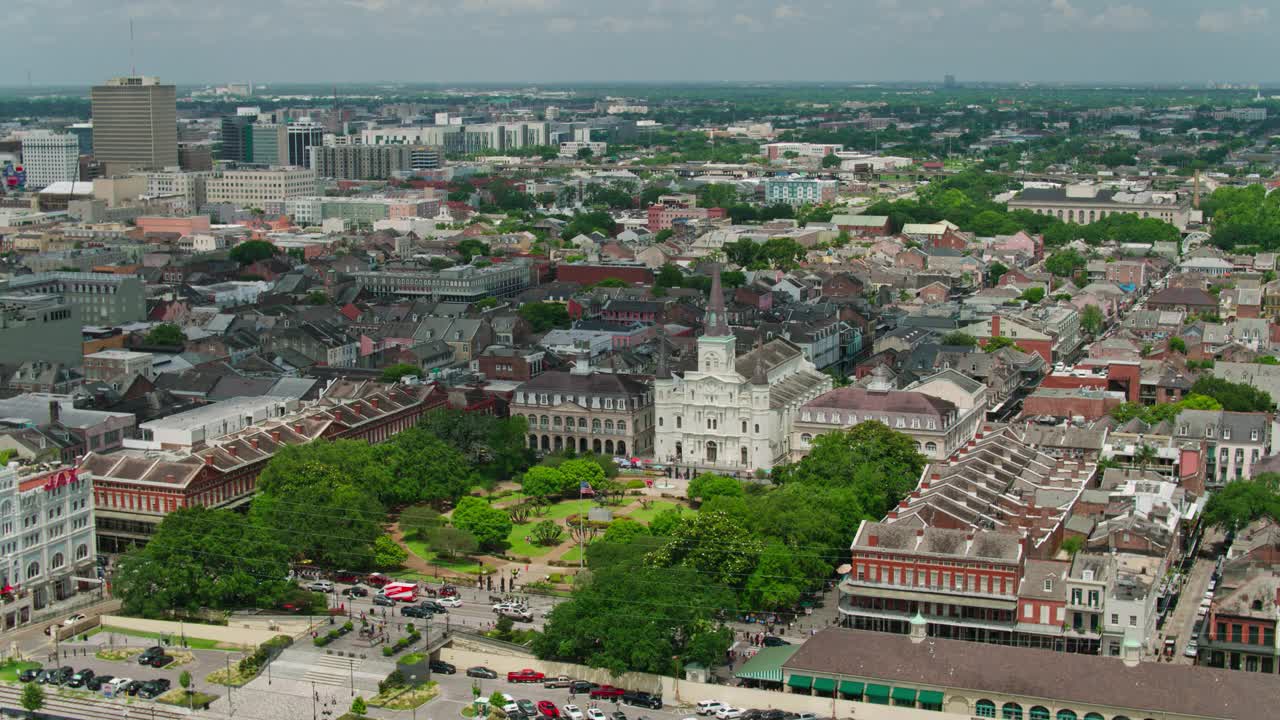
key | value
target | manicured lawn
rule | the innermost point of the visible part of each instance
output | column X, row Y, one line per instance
column 194, row 643
column 564, row 509
column 9, row 671
column 404, row 698
column 419, row 548
column 641, row 515
column 180, row 698
column 518, row 541
column 572, row 556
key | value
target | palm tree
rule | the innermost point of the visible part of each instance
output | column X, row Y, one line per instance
column 1143, row 456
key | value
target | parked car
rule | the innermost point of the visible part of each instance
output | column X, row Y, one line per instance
column 153, row 651
column 416, row 611
column 557, row 681
column 709, row 707
column 1193, row 648
column 356, row 591
column 527, row 708
column 80, row 678
column 97, row 682
column 606, row 692
column 346, row 576
column 383, row 600
column 442, row 667
column 573, row 713
column 74, row 619
column 323, row 586
column 377, row 580
column 59, row 676
column 160, row 661
column 596, row 714
column 133, row 687
column 525, row 675
column 481, row 671
column 29, row 675
column 642, row 699
column 617, row 715
column 582, row 686
column 149, row 690
column 119, row 684
column 728, row 713
column 451, row 601
column 434, row 606
column 548, row 708
column 774, row 641
column 516, row 613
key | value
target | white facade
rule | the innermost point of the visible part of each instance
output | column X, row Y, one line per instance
column 50, row 158
column 208, row 423
column 191, row 187
column 46, row 541
column 571, row 149
column 264, row 189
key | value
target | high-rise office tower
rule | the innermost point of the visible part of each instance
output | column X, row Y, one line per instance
column 268, row 144
column 50, row 158
column 302, row 135
column 135, row 124
column 237, row 138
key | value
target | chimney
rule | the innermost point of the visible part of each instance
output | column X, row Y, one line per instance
column 170, row 479
column 297, row 427
column 254, row 442
column 919, row 532
column 208, row 459
column 55, row 411
column 374, row 401
column 995, row 325
column 873, row 540
column 235, row 452
column 275, row 436
column 337, row 415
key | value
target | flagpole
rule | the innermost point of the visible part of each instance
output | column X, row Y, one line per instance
column 581, row 528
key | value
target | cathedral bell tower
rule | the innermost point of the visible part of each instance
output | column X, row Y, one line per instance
column 717, row 346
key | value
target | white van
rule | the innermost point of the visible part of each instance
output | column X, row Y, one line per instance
column 709, row 707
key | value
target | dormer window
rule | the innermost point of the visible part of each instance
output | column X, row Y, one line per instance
column 1048, row 584
column 1253, row 435
column 1226, row 433
column 1208, row 432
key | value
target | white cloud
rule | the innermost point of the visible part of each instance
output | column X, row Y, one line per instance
column 1242, row 18
column 787, row 12
column 1123, row 18
column 509, row 7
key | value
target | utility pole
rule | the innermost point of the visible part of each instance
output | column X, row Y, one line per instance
column 313, row 700
column 230, row 687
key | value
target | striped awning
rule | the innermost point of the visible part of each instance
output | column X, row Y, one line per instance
column 766, row 665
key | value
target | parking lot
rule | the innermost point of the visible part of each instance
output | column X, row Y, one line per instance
column 456, row 692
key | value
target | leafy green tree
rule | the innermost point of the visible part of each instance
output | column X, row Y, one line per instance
column 1001, row 342
column 495, row 446
column 358, row 708
column 714, row 544
column 198, row 558
column 709, row 485
column 469, row 248
column 165, row 334
column 251, row 251
column 669, row 276
column 623, row 531
column 1243, row 501
column 663, row 235
column 320, row 512
column 1064, row 263
column 721, row 195
column 831, row 161
column 588, row 222
column 880, row 465
column 995, row 271
column 488, row 524
column 543, row 316
column 417, row 521
column 541, row 483
column 577, row 471
column 778, row 580
column 546, row 532
column 622, row 618
column 317, row 297
column 1178, row 345
column 666, row 522
column 1194, row 401
column 452, row 542
column 1267, row 360
column 426, row 469
column 1091, row 319
column 387, row 554
column 1033, row 295
column 1236, row 397
column 32, row 699
column 959, row 339
column 1073, row 545
column 393, row 373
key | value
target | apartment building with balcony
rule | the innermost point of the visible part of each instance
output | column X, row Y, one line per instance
column 1234, row 441
column 466, row 283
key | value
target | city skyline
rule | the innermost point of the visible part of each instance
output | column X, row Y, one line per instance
column 567, row 41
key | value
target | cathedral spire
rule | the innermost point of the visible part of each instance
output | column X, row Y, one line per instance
column 664, row 372
column 715, row 322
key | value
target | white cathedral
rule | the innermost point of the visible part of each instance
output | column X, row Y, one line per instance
column 732, row 414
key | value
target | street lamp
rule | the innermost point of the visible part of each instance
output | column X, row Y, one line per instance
column 314, row 696
column 351, row 665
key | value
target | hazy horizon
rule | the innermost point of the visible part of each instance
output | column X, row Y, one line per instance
column 459, row 42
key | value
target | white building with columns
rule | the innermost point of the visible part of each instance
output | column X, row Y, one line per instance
column 731, row 413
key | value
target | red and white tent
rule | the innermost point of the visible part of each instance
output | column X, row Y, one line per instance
column 402, row 591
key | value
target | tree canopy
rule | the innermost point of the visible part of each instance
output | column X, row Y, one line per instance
column 543, row 316
column 489, row 525
column 393, row 373
column 1243, row 501
column 1236, row 397
column 166, row 334
column 251, row 251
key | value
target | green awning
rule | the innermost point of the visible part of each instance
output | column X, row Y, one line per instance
column 877, row 693
column 931, row 697
column 800, row 682
column 824, row 684
column 851, row 687
column 905, row 695
column 766, row 665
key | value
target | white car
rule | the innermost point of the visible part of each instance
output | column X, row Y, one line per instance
column 572, row 712
column 596, row 714
column 728, row 713
column 452, row 602
column 709, row 707
column 118, row 684
column 511, row 709
column 1193, row 648
column 320, row 586
column 74, row 619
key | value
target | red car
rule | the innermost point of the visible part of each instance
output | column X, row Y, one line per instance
column 607, row 691
column 526, row 675
column 377, row 580
column 548, row 708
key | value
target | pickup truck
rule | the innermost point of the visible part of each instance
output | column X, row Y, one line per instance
column 607, row 692
column 526, row 675
column 558, row 681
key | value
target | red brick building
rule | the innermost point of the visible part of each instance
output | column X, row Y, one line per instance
column 592, row 273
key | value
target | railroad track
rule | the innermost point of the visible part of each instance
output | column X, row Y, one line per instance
column 60, row 706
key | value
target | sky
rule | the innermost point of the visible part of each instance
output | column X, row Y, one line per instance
column 561, row 41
